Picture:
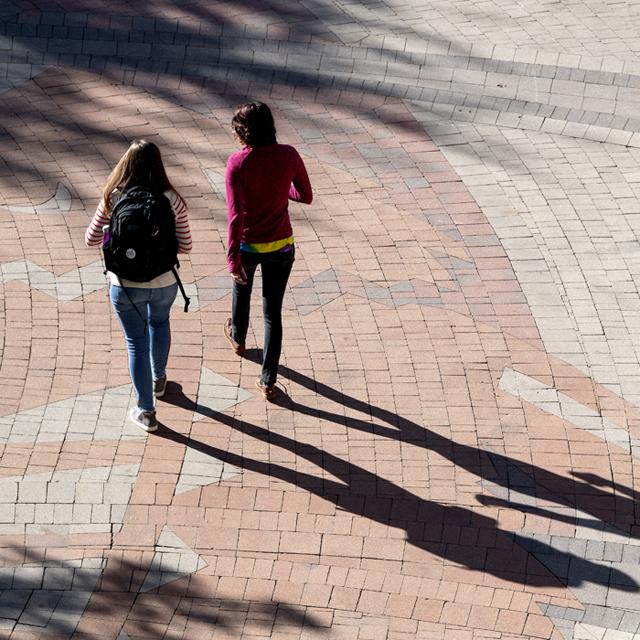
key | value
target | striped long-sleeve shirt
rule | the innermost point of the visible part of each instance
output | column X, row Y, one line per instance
column 93, row 237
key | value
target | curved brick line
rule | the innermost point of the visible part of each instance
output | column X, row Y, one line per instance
column 59, row 202
column 482, row 282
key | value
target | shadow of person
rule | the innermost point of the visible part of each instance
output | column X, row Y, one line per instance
column 456, row 534
column 490, row 466
column 598, row 481
column 568, row 518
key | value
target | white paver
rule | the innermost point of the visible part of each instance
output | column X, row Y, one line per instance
column 573, row 203
column 100, row 415
column 66, row 287
column 559, row 404
column 60, row 202
column 172, row 560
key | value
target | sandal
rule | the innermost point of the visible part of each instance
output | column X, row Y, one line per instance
column 238, row 348
column 268, row 390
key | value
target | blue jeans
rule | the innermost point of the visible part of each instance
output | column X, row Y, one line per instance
column 147, row 334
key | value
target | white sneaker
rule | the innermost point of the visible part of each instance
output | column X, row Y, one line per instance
column 146, row 420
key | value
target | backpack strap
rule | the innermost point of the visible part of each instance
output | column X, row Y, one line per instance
column 133, row 304
column 187, row 300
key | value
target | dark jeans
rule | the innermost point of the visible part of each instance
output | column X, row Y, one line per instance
column 276, row 267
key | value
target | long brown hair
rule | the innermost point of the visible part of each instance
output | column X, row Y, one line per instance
column 140, row 166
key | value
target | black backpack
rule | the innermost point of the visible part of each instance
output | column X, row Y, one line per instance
column 141, row 242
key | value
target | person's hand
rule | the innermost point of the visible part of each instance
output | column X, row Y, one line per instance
column 240, row 277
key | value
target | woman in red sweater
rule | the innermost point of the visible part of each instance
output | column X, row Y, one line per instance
column 261, row 178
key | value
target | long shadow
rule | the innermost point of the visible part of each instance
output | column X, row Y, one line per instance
column 578, row 493
column 454, row 533
column 491, row 501
column 616, row 510
column 597, row 481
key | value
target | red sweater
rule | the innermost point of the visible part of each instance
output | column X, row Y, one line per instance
column 260, row 182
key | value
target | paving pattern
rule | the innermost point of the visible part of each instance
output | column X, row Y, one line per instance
column 454, row 451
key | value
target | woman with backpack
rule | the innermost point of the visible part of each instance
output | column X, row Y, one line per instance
column 261, row 178
column 142, row 223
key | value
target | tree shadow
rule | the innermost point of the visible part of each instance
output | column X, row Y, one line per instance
column 29, row 106
column 70, row 599
column 195, row 41
column 456, row 534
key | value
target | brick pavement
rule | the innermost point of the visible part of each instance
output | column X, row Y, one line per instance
column 455, row 452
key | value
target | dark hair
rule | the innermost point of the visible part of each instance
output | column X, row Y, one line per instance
column 253, row 124
column 140, row 166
